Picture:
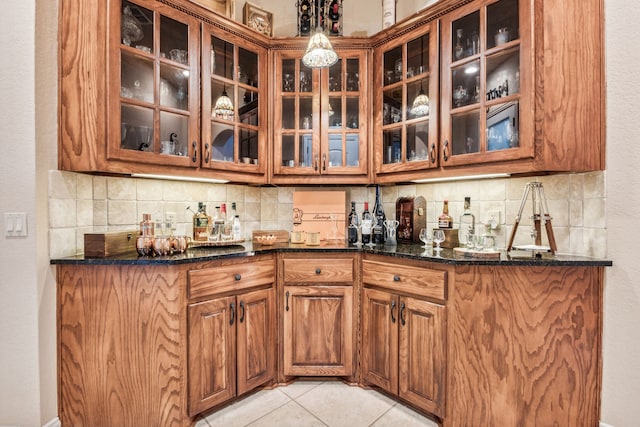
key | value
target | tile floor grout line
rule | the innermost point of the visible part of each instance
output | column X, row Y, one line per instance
column 274, row 409
column 310, row 413
column 383, row 414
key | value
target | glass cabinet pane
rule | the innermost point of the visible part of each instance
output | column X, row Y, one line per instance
column 222, row 58
column 418, row 56
column 248, row 146
column 136, row 77
column 415, row 106
column 465, row 133
column 392, row 106
column 306, row 110
column 219, row 89
column 136, row 27
column 502, row 126
column 502, row 23
column 248, row 106
column 391, row 145
column 288, row 150
column 174, row 134
column 174, row 87
column 353, row 150
column 335, row 77
column 305, row 150
column 174, row 40
column 393, row 65
column 222, row 142
column 247, row 67
column 465, row 36
column 503, row 74
column 288, row 113
column 335, row 112
column 353, row 75
column 288, row 71
column 306, row 79
column 353, row 113
column 136, row 129
column 465, row 83
column 335, row 150
column 417, row 141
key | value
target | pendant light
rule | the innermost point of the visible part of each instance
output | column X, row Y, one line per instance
column 319, row 52
column 420, row 106
column 224, row 107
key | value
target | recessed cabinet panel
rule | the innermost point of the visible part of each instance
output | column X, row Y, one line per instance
column 136, row 129
column 136, row 78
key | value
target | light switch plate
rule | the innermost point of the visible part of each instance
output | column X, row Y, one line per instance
column 493, row 218
column 15, row 224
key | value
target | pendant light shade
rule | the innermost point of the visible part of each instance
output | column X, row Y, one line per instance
column 420, row 106
column 319, row 53
column 224, row 107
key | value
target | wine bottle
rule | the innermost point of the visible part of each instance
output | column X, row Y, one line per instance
column 445, row 220
column 378, row 219
column 367, row 223
column 467, row 224
column 352, row 230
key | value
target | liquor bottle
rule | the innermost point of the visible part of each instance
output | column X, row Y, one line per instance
column 445, row 220
column 201, row 223
column 378, row 219
column 352, row 230
column 467, row 224
column 367, row 224
column 237, row 228
column 225, row 230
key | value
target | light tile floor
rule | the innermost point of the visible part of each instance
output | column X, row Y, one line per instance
column 314, row 403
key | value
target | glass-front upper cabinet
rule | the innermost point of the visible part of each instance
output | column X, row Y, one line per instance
column 486, row 104
column 406, row 107
column 233, row 84
column 158, row 102
column 320, row 123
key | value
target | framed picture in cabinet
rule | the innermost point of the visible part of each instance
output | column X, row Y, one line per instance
column 258, row 19
column 223, row 7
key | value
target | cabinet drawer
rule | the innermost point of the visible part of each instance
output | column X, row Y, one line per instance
column 227, row 278
column 405, row 278
column 318, row 270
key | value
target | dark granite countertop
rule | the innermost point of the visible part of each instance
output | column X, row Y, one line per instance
column 415, row 252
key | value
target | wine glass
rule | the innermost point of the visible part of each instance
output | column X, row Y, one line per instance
column 425, row 237
column 438, row 237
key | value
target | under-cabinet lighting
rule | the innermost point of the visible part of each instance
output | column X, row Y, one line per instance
column 461, row 178
column 180, row 178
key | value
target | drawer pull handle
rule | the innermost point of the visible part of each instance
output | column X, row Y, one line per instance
column 242, row 315
column 402, row 307
column 237, row 277
column 318, row 271
column 287, row 302
column 393, row 306
column 396, row 278
column 233, row 313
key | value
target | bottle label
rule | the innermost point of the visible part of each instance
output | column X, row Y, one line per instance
column 443, row 223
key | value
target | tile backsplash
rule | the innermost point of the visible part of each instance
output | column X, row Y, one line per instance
column 80, row 203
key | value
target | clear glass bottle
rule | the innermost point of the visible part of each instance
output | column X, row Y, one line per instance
column 237, row 228
column 367, row 224
column 467, row 224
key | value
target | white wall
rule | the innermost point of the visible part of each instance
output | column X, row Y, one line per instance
column 621, row 370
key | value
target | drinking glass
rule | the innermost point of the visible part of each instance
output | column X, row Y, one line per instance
column 368, row 219
column 438, row 237
column 425, row 237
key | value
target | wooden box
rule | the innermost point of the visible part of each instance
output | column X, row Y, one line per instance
column 98, row 245
column 321, row 211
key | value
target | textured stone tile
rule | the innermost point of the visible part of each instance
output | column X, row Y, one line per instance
column 235, row 193
column 62, row 185
column 594, row 184
column 594, row 213
column 217, row 193
column 149, row 189
column 122, row 212
column 289, row 415
column 62, row 242
column 249, row 409
column 576, row 213
column 401, row 416
column 121, row 189
column 252, row 212
column 299, row 388
column 252, row 194
column 285, row 195
column 84, row 213
column 62, row 213
column 99, row 188
column 100, row 213
column 84, row 187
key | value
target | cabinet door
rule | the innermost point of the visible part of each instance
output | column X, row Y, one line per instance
column 318, row 330
column 255, row 339
column 233, row 128
column 321, row 119
column 212, row 353
column 406, row 107
column 487, row 101
column 154, row 91
column 380, row 339
column 422, row 354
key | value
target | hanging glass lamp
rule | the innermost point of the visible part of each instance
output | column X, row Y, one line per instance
column 224, row 107
column 319, row 53
column 420, row 106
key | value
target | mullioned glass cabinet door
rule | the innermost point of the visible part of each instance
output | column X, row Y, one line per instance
column 157, row 100
column 486, row 101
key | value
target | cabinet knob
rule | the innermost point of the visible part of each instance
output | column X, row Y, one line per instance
column 396, row 278
column 237, row 277
column 318, row 271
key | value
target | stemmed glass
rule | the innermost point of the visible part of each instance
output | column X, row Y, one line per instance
column 438, row 237
column 425, row 238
